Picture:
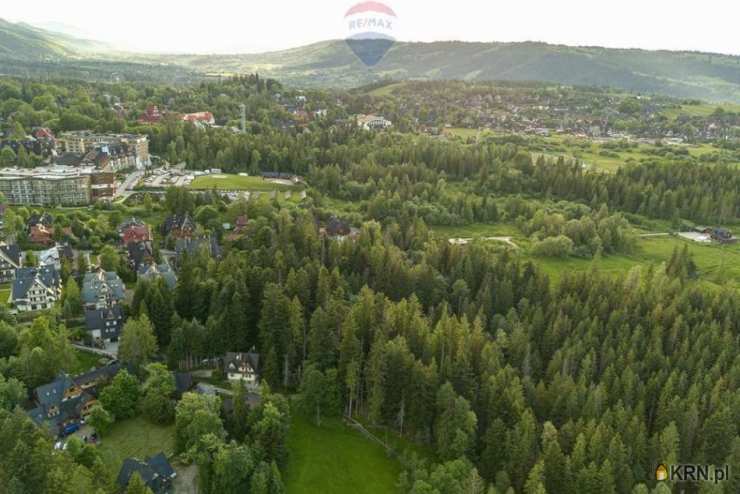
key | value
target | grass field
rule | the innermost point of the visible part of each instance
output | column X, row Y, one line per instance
column 702, row 110
column 716, row 265
column 135, row 438
column 333, row 459
column 237, row 182
column 4, row 294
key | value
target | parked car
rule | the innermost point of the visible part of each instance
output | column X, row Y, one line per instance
column 71, row 428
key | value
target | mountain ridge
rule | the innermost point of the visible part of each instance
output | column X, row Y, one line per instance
column 683, row 74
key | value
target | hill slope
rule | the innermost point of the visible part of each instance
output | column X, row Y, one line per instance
column 23, row 42
column 331, row 63
column 681, row 74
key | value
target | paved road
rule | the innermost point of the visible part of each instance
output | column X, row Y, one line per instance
column 125, row 187
column 98, row 351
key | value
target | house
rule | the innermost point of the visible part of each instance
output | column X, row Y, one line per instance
column 42, row 235
column 721, row 235
column 373, row 122
column 204, row 117
column 10, row 260
column 156, row 472
column 139, row 254
column 179, row 226
column 35, row 288
column 104, row 325
column 102, row 289
column 66, row 400
column 152, row 271
column 240, row 228
column 337, row 228
column 251, row 399
column 239, row 366
column 192, row 246
column 183, row 383
column 152, row 114
column 44, row 219
column 50, row 257
column 134, row 230
column 59, row 404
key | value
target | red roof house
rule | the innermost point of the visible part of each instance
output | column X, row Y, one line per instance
column 203, row 116
column 135, row 233
column 151, row 115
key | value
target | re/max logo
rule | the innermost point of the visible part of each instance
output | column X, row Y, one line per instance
column 370, row 23
column 695, row 473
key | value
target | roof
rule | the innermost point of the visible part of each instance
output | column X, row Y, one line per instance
column 252, row 400
column 183, row 382
column 139, row 252
column 100, row 285
column 52, row 393
column 131, row 465
column 152, row 271
column 203, row 116
column 178, row 222
column 96, row 375
column 49, row 256
column 129, row 222
column 161, row 466
column 12, row 253
column 153, row 471
column 96, row 319
column 192, row 245
column 135, row 233
column 25, row 278
column 235, row 358
column 40, row 219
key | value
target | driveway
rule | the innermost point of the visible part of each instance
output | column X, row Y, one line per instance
column 186, row 481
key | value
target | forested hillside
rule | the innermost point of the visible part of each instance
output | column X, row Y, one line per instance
column 331, row 63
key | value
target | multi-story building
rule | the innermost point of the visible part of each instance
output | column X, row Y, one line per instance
column 84, row 141
column 10, row 260
column 102, row 289
column 35, row 288
column 46, row 186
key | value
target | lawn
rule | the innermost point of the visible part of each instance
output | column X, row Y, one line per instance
column 334, row 459
column 237, row 182
column 135, row 438
column 84, row 362
column 4, row 294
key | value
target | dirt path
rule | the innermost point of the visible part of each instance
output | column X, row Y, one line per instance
column 465, row 241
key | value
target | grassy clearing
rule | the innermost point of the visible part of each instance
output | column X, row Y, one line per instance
column 717, row 265
column 702, row 110
column 477, row 230
column 237, row 182
column 386, row 90
column 4, row 294
column 136, row 438
column 461, row 132
column 84, row 362
column 334, row 459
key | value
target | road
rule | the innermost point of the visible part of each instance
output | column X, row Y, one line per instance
column 98, row 351
column 125, row 187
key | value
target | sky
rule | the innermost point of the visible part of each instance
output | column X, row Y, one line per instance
column 249, row 26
